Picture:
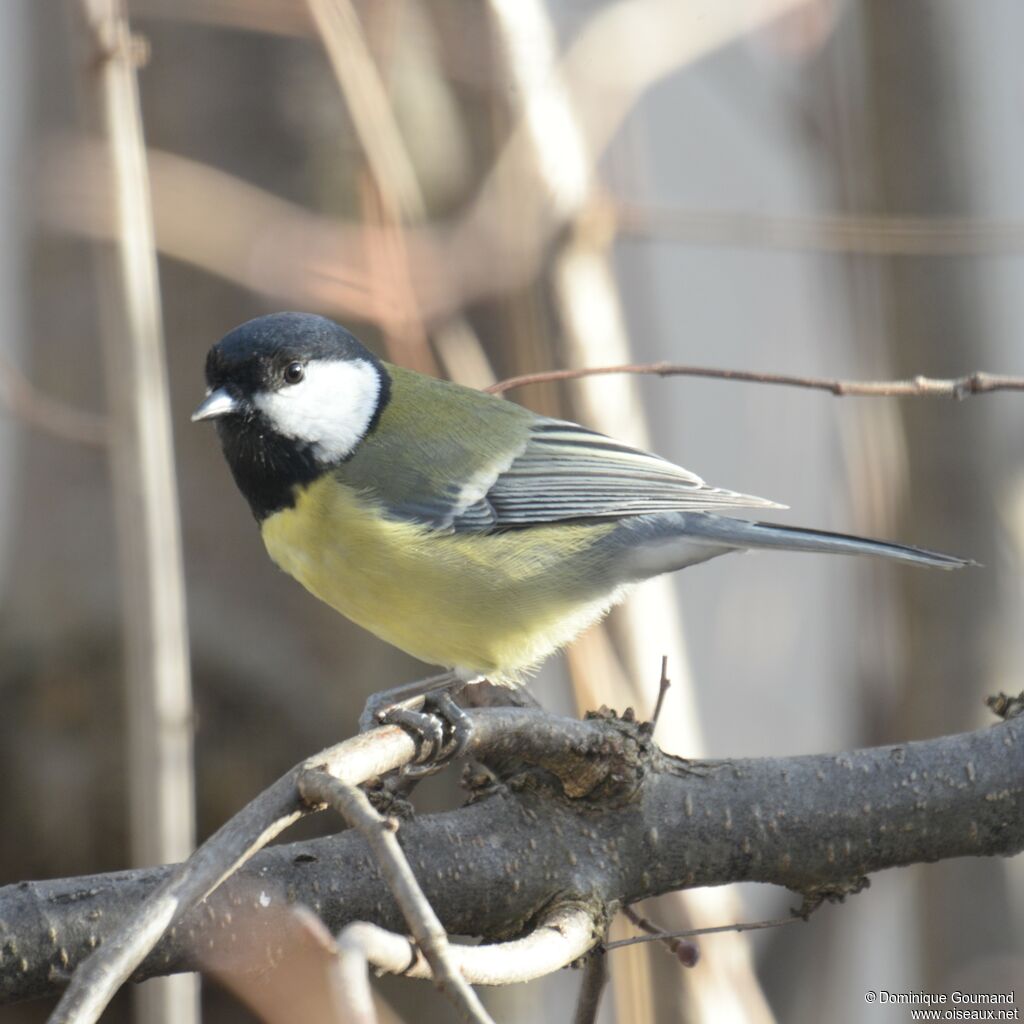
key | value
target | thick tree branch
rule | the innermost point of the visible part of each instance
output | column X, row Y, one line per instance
column 589, row 814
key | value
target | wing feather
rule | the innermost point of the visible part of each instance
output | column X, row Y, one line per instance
column 568, row 472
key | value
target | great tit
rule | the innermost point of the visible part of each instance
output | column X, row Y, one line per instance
column 460, row 527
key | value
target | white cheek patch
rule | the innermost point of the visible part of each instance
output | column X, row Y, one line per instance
column 330, row 408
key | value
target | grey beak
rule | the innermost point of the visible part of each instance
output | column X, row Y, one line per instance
column 217, row 403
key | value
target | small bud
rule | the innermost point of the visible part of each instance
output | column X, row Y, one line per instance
column 687, row 953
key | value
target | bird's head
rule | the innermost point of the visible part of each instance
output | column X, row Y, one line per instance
column 292, row 394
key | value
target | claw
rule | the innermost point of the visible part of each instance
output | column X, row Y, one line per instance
column 455, row 729
column 376, row 710
column 460, row 725
column 427, row 730
column 425, row 709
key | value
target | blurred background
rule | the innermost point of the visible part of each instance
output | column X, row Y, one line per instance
column 480, row 189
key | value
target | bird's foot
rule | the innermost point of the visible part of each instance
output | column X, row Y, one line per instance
column 427, row 712
column 442, row 731
column 407, row 697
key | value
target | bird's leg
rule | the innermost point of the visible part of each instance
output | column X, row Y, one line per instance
column 406, row 697
column 426, row 710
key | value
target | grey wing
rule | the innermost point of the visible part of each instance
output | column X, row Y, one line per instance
column 568, row 472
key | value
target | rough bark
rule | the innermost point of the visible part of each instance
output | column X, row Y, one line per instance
column 568, row 812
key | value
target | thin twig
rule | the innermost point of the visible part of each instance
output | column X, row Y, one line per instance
column 94, row 983
column 841, row 233
column 44, row 413
column 663, row 687
column 685, row 952
column 563, row 936
column 689, row 933
column 933, row 387
column 353, row 976
column 595, row 978
column 318, row 787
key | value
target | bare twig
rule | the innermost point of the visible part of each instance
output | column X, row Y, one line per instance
column 656, row 935
column 663, row 687
column 353, row 972
column 562, row 937
column 595, row 978
column 920, row 386
column 318, row 787
column 47, row 414
column 854, row 233
column 159, row 693
column 99, row 977
column 685, row 952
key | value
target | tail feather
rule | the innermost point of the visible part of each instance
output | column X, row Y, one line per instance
column 740, row 533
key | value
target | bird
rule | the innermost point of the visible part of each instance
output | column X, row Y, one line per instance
column 460, row 527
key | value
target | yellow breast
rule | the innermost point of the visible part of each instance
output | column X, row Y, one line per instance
column 492, row 604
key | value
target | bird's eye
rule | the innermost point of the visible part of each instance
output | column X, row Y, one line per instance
column 294, row 372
